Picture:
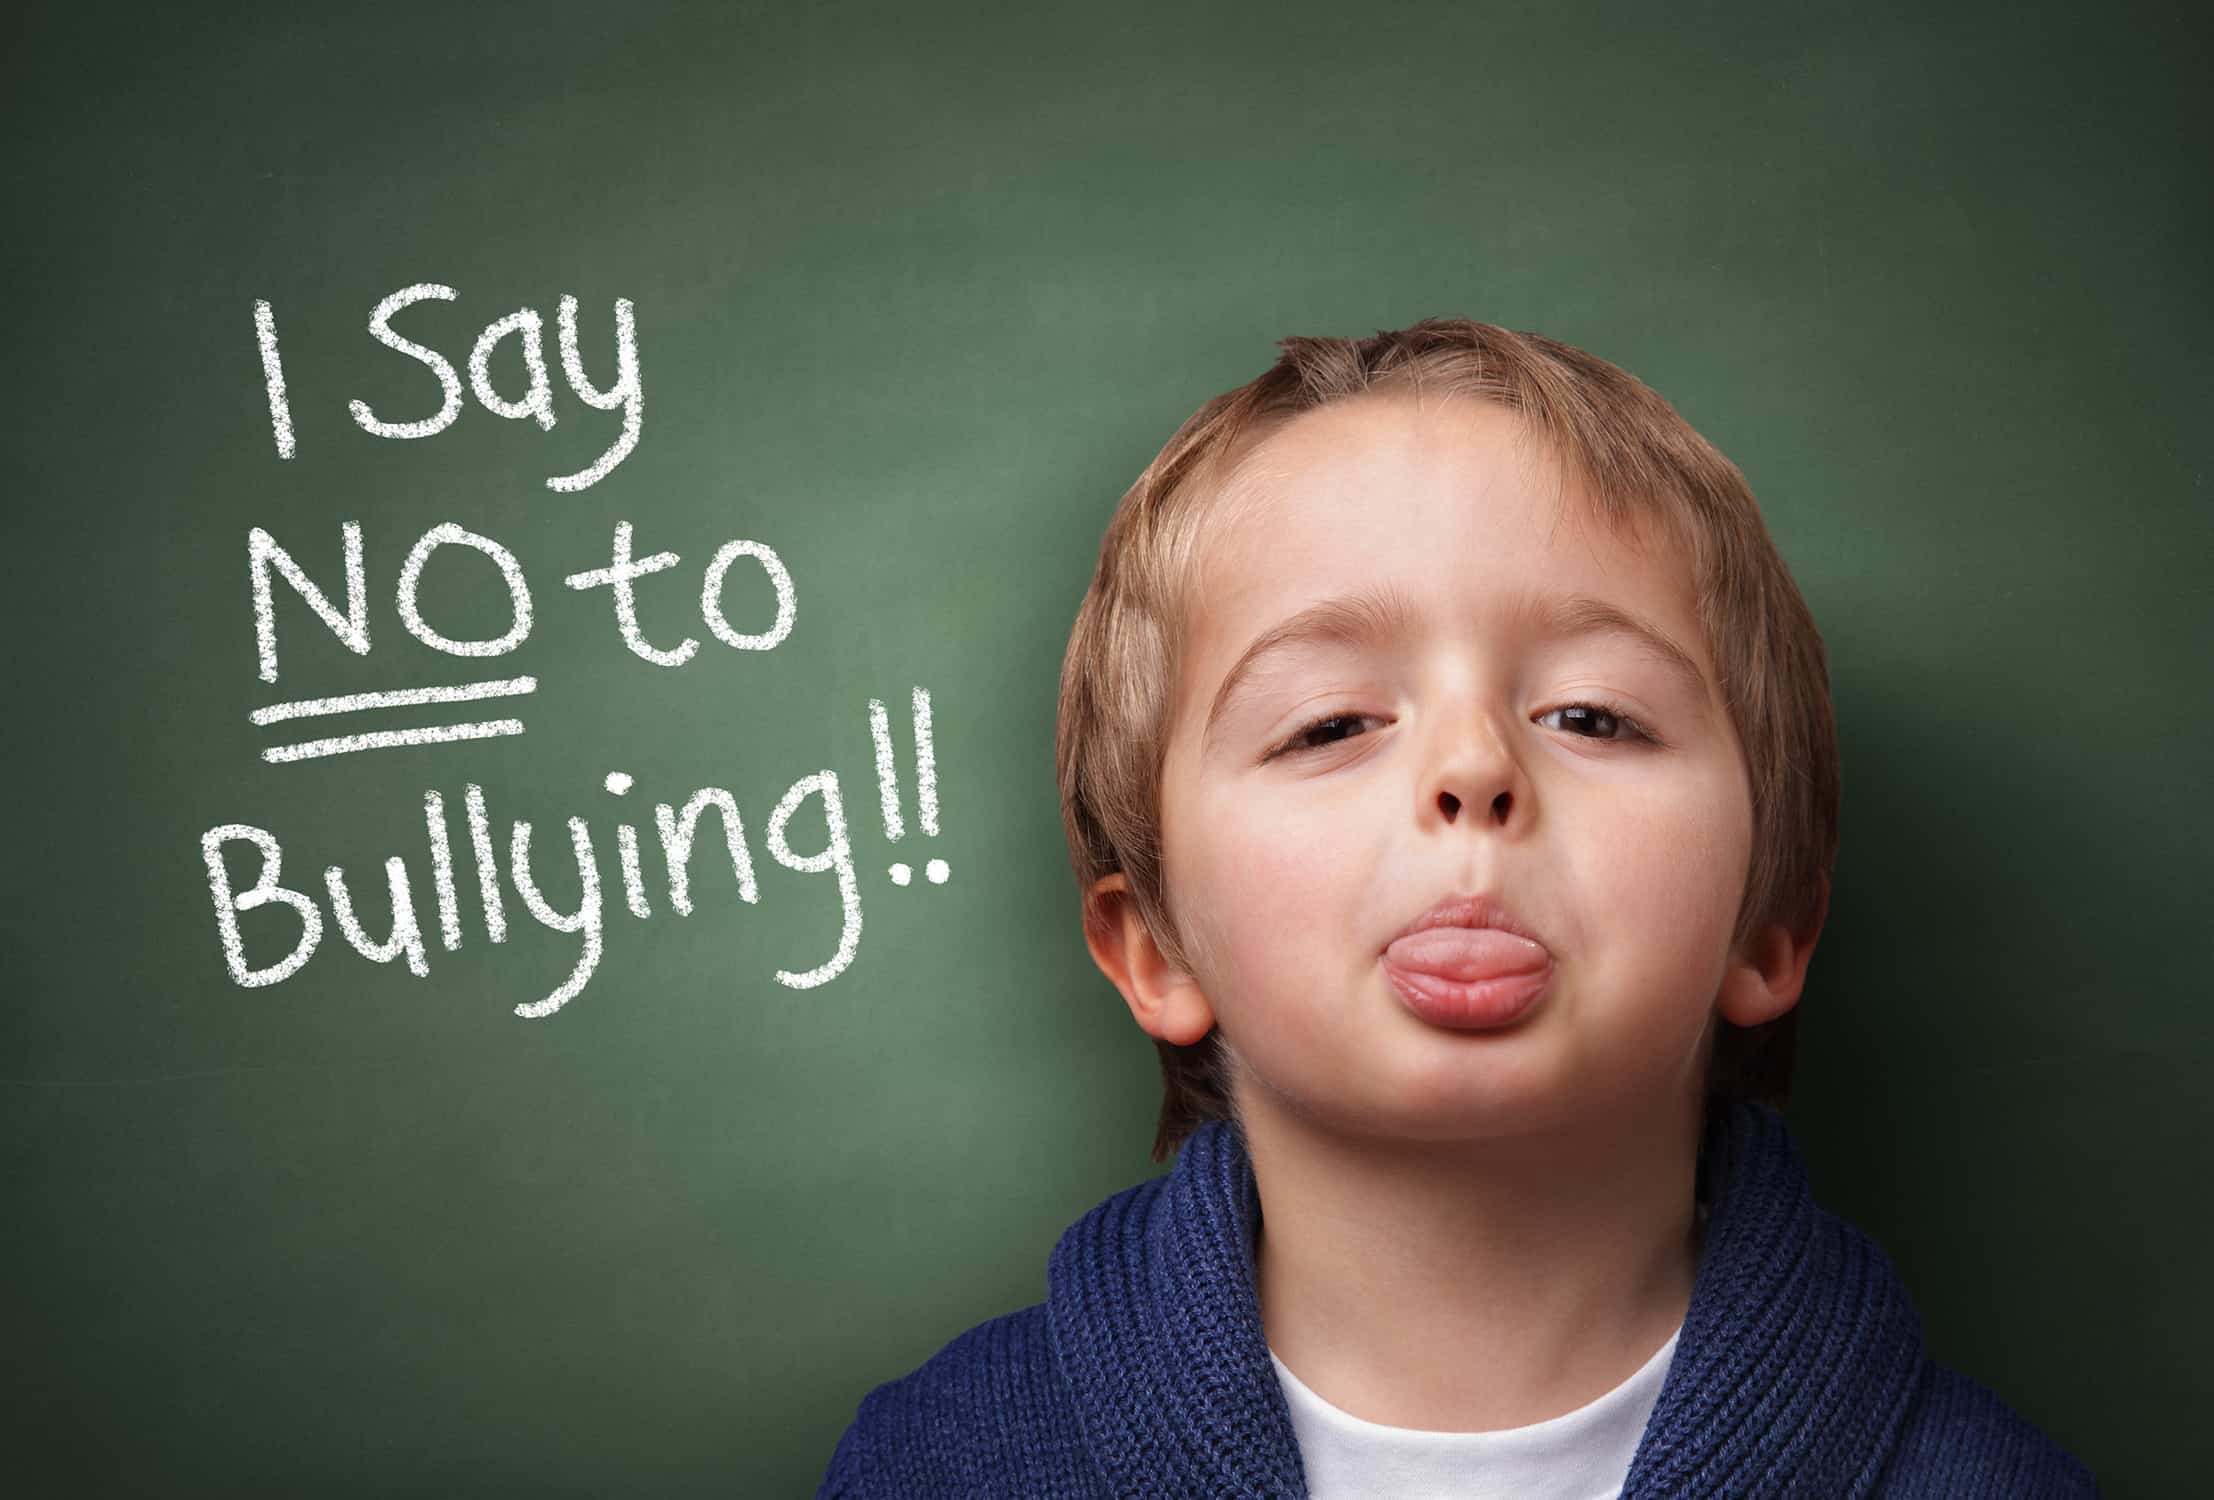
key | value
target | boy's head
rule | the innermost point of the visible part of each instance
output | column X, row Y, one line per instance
column 1454, row 507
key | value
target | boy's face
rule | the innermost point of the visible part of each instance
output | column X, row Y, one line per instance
column 1454, row 770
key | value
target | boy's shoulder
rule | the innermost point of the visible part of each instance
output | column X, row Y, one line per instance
column 984, row 1416
column 1959, row 1437
column 1145, row 1370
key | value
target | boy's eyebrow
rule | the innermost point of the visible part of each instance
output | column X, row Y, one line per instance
column 1367, row 615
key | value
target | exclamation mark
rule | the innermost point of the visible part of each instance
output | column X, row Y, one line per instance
column 926, row 784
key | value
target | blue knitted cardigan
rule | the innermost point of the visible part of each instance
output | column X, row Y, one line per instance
column 1799, row 1371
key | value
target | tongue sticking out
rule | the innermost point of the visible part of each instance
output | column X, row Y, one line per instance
column 1467, row 954
column 1468, row 978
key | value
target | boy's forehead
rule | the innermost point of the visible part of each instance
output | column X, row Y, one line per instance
column 1366, row 485
column 1453, row 503
column 1342, row 430
column 1384, row 453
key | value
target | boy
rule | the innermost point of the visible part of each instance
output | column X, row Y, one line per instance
column 1447, row 760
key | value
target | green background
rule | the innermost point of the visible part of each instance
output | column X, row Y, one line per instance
column 918, row 293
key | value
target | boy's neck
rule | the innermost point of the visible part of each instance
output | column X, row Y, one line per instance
column 1475, row 1287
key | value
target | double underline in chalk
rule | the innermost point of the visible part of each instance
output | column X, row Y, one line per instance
column 465, row 692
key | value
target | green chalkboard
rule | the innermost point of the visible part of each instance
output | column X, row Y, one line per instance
column 913, row 293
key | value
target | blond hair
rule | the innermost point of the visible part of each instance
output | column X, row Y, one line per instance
column 1639, row 462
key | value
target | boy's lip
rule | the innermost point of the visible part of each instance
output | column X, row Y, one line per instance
column 1480, row 910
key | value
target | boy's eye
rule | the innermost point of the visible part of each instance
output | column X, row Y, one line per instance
column 1598, row 717
column 1305, row 737
column 1603, row 714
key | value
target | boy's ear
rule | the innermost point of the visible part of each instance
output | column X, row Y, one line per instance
column 1166, row 1002
column 1764, row 982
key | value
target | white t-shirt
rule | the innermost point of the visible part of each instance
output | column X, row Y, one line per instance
column 1580, row 1455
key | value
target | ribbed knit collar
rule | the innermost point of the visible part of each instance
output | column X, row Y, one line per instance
column 1797, row 1358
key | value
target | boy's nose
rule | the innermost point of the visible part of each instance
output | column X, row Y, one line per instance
column 1471, row 767
column 1450, row 803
